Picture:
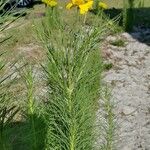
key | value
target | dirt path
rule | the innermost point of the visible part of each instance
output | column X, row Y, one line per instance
column 130, row 81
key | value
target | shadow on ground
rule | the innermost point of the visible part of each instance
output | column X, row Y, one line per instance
column 141, row 30
column 20, row 135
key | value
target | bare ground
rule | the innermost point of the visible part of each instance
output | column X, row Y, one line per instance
column 130, row 82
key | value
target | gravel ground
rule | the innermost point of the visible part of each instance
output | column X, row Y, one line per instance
column 130, row 82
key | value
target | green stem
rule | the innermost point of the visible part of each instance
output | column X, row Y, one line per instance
column 31, row 114
column 31, row 106
column 70, row 92
column 34, row 132
column 85, row 17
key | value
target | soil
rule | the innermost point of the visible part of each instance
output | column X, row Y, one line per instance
column 129, row 79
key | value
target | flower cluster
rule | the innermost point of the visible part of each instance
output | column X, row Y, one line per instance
column 51, row 3
column 83, row 5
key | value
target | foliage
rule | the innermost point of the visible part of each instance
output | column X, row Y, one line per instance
column 73, row 65
column 7, row 112
column 108, row 120
column 118, row 42
column 65, row 120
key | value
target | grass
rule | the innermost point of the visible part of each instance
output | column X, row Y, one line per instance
column 119, row 43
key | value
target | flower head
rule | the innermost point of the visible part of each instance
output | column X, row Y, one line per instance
column 103, row 5
column 51, row 3
column 84, row 8
column 83, row 5
column 78, row 2
column 69, row 6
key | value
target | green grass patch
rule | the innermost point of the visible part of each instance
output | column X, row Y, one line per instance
column 119, row 43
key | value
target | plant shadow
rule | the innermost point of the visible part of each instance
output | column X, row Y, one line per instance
column 19, row 135
column 141, row 23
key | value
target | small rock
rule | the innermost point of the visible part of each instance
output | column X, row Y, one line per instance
column 128, row 110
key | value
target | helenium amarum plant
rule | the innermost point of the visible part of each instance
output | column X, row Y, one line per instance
column 73, row 73
column 34, row 122
column 108, row 120
column 30, row 103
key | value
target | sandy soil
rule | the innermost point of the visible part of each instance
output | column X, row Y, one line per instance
column 130, row 82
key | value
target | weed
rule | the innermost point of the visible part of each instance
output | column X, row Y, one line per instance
column 119, row 43
column 107, row 120
column 73, row 72
column 107, row 66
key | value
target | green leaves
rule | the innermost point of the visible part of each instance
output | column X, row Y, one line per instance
column 7, row 112
column 73, row 72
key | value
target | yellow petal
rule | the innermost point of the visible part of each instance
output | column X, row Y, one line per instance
column 103, row 5
column 69, row 5
column 88, row 0
column 52, row 3
column 83, row 9
column 82, row 12
column 78, row 2
column 90, row 4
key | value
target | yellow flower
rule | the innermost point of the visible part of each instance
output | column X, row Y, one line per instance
column 88, row 0
column 84, row 5
column 74, row 3
column 69, row 6
column 84, row 8
column 90, row 4
column 103, row 5
column 78, row 2
column 51, row 3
